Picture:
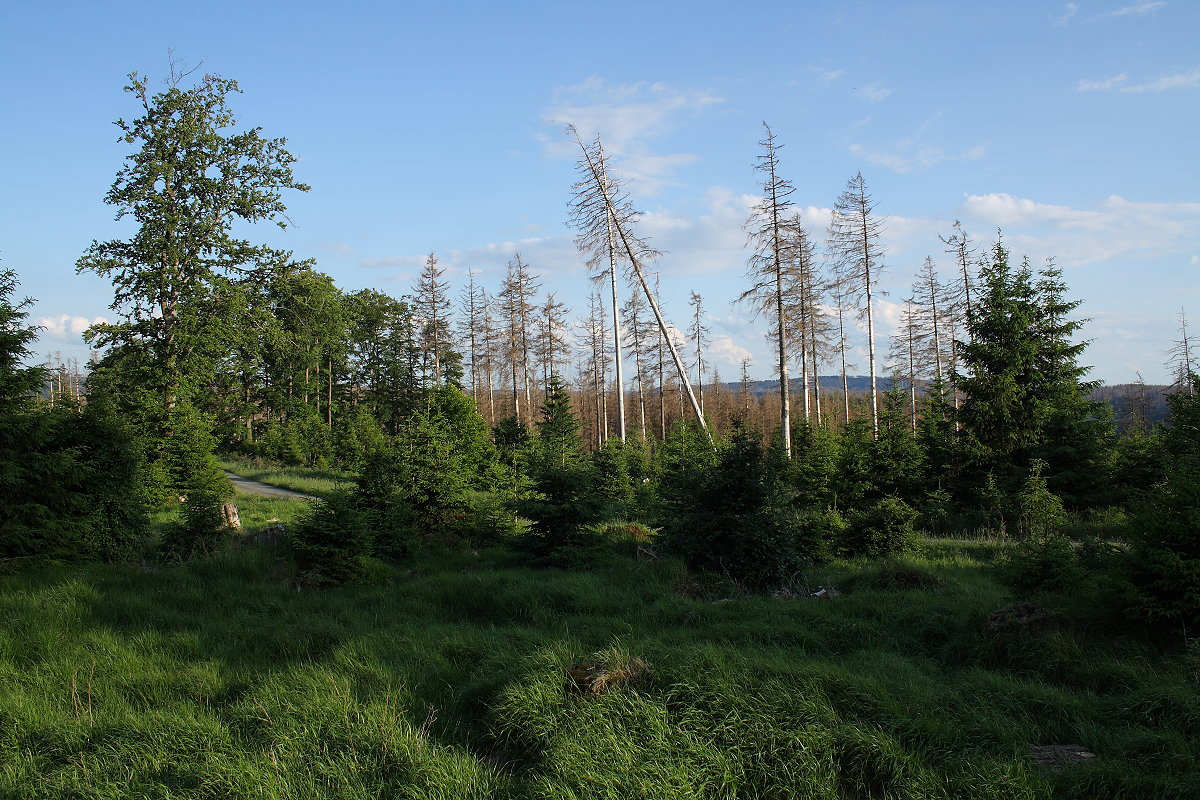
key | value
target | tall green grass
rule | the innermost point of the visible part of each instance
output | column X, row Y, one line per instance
column 447, row 678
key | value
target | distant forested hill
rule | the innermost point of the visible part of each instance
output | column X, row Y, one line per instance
column 1123, row 397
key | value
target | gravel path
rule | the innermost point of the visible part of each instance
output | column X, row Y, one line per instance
column 264, row 489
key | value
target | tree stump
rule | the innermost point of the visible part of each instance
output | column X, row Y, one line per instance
column 230, row 518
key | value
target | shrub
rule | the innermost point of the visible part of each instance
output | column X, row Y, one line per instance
column 1039, row 511
column 202, row 485
column 735, row 516
column 820, row 528
column 596, row 544
column 333, row 542
column 934, row 510
column 378, row 496
column 1165, row 554
column 881, row 528
column 491, row 520
column 73, row 483
column 1042, row 562
column 895, row 575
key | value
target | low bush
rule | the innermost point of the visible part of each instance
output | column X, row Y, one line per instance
column 333, row 542
column 735, row 517
column 881, row 528
column 1165, row 553
column 1042, row 562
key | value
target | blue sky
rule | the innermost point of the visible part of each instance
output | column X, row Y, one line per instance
column 439, row 127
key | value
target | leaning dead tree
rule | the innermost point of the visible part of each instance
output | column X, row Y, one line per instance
column 605, row 219
column 597, row 240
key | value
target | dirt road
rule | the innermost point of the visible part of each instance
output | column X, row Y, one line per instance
column 264, row 489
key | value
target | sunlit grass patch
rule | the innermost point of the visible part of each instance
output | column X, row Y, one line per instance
column 319, row 482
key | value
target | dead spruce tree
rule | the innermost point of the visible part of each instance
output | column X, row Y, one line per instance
column 470, row 307
column 516, row 306
column 600, row 207
column 770, row 266
column 638, row 334
column 854, row 234
column 597, row 242
column 553, row 344
column 699, row 332
column 430, row 296
column 807, row 322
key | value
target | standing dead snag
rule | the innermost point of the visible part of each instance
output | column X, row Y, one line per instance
column 599, row 209
column 854, row 233
column 770, row 265
column 699, row 333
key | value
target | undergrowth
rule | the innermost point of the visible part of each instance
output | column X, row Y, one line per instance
column 456, row 676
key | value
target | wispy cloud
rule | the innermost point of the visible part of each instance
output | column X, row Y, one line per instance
column 915, row 151
column 873, row 92
column 827, row 77
column 66, row 327
column 1104, row 85
column 912, row 154
column 628, row 118
column 1120, row 83
column 1068, row 14
column 1136, row 9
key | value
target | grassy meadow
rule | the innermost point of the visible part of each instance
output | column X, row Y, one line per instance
column 468, row 675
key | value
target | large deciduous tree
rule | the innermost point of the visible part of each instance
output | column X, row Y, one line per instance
column 191, row 178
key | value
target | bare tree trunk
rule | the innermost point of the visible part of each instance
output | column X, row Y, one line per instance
column 616, row 317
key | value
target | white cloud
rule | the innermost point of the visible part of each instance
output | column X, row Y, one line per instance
column 1137, row 9
column 887, row 317
column 1006, row 211
column 1068, row 14
column 912, row 154
column 67, row 327
column 875, row 93
column 627, row 117
column 1076, row 236
column 1120, row 83
column 725, row 353
column 829, row 76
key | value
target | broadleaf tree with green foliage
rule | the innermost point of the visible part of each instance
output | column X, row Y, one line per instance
column 189, row 181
